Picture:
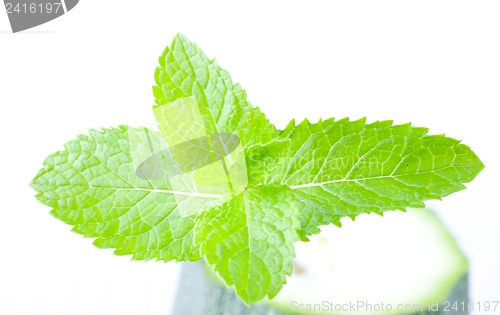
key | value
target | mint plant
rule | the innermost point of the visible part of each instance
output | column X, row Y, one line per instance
column 187, row 193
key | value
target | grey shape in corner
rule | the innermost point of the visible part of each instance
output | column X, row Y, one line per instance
column 70, row 4
column 198, row 295
column 21, row 20
column 26, row 14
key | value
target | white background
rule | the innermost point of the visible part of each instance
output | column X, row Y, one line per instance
column 434, row 63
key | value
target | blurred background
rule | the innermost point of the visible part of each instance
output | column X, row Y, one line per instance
column 435, row 64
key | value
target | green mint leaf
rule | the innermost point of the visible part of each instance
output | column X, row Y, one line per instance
column 93, row 185
column 249, row 240
column 345, row 168
column 185, row 71
column 219, row 182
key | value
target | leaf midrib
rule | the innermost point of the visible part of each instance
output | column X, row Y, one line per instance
column 151, row 190
column 343, row 180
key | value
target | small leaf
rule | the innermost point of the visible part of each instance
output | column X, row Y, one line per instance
column 249, row 240
column 186, row 72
